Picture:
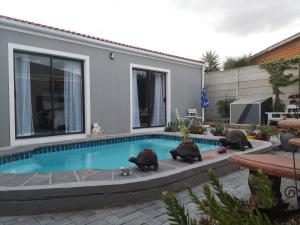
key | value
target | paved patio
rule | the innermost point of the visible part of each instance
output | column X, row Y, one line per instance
column 148, row 213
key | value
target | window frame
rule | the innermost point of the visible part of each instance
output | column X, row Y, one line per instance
column 148, row 74
column 168, row 97
column 12, row 47
column 51, row 58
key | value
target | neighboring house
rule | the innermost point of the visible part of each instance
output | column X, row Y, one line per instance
column 55, row 83
column 285, row 49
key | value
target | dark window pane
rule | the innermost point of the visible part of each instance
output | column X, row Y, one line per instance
column 68, row 102
column 151, row 91
column 48, row 100
column 33, row 95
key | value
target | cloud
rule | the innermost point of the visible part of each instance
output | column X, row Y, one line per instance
column 243, row 17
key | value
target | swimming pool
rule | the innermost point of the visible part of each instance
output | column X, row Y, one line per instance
column 101, row 154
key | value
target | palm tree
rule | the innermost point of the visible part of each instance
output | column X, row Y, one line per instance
column 213, row 61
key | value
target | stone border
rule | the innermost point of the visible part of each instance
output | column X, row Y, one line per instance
column 117, row 191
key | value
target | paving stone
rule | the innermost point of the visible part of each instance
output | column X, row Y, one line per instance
column 65, row 177
column 99, row 175
column 131, row 216
column 15, row 180
column 43, row 219
column 114, row 220
column 38, row 180
column 117, row 176
column 125, row 211
column 77, row 219
column 81, row 173
column 22, row 221
column 100, row 222
column 163, row 218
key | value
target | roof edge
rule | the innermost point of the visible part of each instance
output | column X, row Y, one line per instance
column 32, row 26
column 276, row 45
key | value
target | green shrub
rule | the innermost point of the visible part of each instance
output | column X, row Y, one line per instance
column 223, row 106
column 232, row 63
column 219, row 129
column 251, row 131
column 266, row 131
column 194, row 129
column 219, row 207
column 172, row 127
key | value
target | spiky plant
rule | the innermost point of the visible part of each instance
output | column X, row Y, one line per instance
column 212, row 59
column 220, row 208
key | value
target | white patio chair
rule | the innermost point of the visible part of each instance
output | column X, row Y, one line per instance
column 178, row 116
column 194, row 118
column 193, row 113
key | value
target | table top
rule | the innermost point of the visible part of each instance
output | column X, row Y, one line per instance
column 275, row 165
column 282, row 113
column 289, row 123
column 190, row 117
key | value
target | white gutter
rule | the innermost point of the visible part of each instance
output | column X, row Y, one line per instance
column 56, row 34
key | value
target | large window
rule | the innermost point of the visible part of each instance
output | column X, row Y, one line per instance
column 148, row 98
column 48, row 95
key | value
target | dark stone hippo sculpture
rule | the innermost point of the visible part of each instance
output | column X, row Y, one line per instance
column 145, row 159
column 235, row 139
column 187, row 151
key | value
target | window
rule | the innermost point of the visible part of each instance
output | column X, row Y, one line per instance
column 148, row 98
column 48, row 95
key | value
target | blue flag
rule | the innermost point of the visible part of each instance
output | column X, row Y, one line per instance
column 204, row 99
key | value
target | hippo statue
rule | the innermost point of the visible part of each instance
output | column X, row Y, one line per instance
column 145, row 159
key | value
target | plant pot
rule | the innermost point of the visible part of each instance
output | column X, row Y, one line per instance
column 251, row 137
column 284, row 139
column 218, row 134
column 259, row 138
column 188, row 142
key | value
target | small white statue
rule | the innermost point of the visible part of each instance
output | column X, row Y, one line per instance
column 125, row 171
column 96, row 129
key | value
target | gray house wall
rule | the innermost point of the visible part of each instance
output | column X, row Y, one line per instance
column 109, row 82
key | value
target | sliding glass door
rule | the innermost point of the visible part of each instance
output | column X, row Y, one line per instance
column 148, row 98
column 48, row 95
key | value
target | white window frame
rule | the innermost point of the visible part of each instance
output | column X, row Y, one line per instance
column 168, row 97
column 36, row 140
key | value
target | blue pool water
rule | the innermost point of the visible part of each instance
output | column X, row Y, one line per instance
column 106, row 156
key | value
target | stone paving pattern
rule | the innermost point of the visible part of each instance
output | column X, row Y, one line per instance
column 149, row 213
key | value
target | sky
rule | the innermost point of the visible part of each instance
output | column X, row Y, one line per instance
column 185, row 28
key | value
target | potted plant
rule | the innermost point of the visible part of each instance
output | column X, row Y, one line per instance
column 197, row 129
column 265, row 132
column 187, row 150
column 285, row 136
column 251, row 132
column 223, row 106
column 171, row 127
column 219, row 129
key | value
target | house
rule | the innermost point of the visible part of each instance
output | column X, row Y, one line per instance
column 287, row 48
column 55, row 83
